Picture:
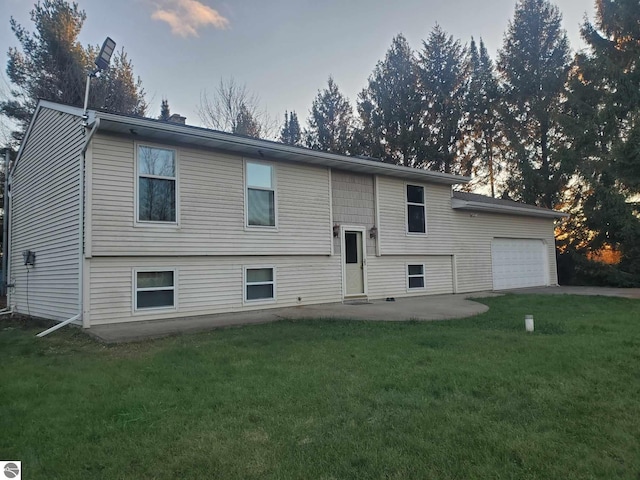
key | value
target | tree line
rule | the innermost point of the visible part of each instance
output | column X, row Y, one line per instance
column 538, row 123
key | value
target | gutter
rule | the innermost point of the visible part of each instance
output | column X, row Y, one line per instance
column 81, row 189
column 5, row 223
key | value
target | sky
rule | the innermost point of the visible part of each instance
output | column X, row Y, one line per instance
column 282, row 50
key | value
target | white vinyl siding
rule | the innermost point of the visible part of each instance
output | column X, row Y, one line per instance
column 387, row 275
column 474, row 234
column 467, row 235
column 209, row 285
column 211, row 202
column 45, row 218
column 392, row 231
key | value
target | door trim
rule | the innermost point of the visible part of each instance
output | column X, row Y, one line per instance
column 363, row 231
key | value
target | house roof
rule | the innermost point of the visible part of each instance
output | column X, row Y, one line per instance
column 165, row 131
column 482, row 203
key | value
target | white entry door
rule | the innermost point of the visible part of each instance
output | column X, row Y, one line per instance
column 518, row 263
column 354, row 263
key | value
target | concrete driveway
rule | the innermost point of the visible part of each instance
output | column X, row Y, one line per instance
column 431, row 307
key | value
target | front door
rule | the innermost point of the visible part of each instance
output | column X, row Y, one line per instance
column 353, row 263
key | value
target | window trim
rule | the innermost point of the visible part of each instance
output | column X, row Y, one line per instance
column 274, row 282
column 134, row 297
column 274, row 189
column 136, row 186
column 406, row 210
column 423, row 276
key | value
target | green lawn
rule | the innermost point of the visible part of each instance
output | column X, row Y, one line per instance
column 474, row 398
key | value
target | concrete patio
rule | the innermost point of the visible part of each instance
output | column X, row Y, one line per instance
column 423, row 308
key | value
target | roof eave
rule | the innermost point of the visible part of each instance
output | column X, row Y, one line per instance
column 458, row 204
column 263, row 148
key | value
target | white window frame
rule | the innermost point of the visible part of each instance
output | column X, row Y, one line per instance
column 274, row 189
column 151, row 223
column 406, row 209
column 244, row 285
column 134, row 302
column 424, row 277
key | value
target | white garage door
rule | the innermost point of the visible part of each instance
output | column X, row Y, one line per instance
column 518, row 263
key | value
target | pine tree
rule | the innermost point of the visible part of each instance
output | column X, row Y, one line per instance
column 603, row 124
column 52, row 64
column 443, row 77
column 165, row 111
column 483, row 136
column 246, row 124
column 390, row 109
column 533, row 65
column 330, row 123
column 290, row 133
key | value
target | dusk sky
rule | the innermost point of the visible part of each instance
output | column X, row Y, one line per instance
column 283, row 50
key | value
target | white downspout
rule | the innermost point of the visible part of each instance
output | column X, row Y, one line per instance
column 96, row 124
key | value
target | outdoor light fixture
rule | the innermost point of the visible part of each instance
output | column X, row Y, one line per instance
column 373, row 232
column 102, row 63
column 336, row 230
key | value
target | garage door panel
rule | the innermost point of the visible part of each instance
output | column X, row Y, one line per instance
column 518, row 263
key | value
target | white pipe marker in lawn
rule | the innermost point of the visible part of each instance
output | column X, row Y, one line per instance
column 528, row 323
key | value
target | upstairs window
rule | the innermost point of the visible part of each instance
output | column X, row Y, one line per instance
column 156, row 184
column 416, row 210
column 260, row 195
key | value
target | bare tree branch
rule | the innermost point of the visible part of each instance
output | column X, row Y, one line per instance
column 231, row 107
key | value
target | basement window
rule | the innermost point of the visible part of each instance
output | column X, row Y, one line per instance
column 415, row 277
column 259, row 284
column 155, row 289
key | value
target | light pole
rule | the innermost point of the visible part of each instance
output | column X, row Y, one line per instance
column 102, row 63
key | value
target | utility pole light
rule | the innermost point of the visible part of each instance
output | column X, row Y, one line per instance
column 102, row 63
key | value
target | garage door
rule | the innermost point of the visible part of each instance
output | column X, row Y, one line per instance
column 518, row 263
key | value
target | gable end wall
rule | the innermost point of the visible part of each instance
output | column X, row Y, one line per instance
column 44, row 218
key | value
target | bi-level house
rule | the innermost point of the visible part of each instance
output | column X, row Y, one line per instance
column 127, row 218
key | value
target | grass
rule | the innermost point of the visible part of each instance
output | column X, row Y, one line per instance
column 473, row 398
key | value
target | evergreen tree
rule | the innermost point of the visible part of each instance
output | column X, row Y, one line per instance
column 603, row 124
column 533, row 64
column 165, row 111
column 443, row 77
column 246, row 124
column 483, row 136
column 390, row 109
column 330, row 124
column 290, row 133
column 52, row 64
